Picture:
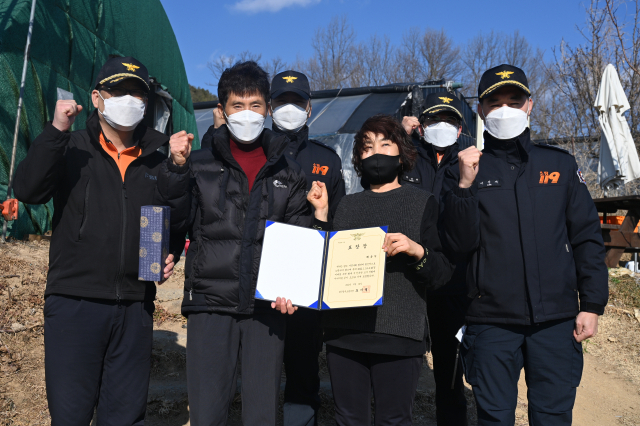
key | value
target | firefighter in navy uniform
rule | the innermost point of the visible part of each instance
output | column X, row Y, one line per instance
column 441, row 123
column 536, row 274
column 290, row 110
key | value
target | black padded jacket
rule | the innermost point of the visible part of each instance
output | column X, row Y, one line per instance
column 210, row 199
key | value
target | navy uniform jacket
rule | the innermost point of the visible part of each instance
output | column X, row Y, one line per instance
column 428, row 174
column 319, row 162
column 533, row 234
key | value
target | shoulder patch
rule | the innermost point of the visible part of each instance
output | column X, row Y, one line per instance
column 556, row 148
column 324, row 145
column 581, row 177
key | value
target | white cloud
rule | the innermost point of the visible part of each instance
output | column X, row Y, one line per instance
column 255, row 6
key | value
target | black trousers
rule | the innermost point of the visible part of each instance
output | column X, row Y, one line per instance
column 446, row 316
column 393, row 379
column 301, row 350
column 97, row 353
column 215, row 342
column 494, row 355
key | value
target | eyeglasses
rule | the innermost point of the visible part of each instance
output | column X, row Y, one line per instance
column 117, row 92
column 437, row 119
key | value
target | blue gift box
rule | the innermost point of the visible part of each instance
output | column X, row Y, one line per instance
column 154, row 242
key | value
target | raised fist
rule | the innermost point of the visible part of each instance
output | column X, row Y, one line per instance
column 65, row 114
column 469, row 162
column 180, row 145
column 319, row 199
column 410, row 123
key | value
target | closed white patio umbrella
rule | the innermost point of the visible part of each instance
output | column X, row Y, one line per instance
column 619, row 162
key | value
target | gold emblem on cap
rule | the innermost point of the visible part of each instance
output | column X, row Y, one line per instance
column 289, row 79
column 446, row 100
column 130, row 67
column 505, row 74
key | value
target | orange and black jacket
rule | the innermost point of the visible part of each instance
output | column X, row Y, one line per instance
column 97, row 199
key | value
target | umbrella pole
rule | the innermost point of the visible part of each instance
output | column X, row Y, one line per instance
column 17, row 128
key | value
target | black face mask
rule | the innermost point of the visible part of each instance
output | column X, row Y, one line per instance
column 379, row 168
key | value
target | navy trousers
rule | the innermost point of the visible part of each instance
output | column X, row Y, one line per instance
column 494, row 355
column 301, row 350
column 97, row 353
column 446, row 316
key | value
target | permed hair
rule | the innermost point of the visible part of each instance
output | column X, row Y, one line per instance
column 390, row 128
column 243, row 79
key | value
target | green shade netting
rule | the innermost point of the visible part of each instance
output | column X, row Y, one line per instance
column 71, row 40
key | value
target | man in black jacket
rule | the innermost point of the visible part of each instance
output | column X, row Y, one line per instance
column 441, row 124
column 537, row 274
column 98, row 316
column 290, row 110
column 222, row 195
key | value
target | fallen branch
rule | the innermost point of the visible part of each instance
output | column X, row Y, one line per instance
column 10, row 330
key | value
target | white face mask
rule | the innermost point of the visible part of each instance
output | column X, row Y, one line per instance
column 123, row 113
column 245, row 126
column 290, row 117
column 506, row 122
column 441, row 134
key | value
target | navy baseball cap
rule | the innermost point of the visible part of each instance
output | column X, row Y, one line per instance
column 290, row 81
column 502, row 75
column 441, row 102
column 121, row 68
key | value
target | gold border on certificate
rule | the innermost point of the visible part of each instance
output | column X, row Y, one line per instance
column 355, row 268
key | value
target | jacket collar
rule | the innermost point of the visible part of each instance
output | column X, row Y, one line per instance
column 297, row 140
column 147, row 139
column 516, row 149
column 272, row 143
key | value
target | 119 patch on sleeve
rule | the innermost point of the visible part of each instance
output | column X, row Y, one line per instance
column 581, row 177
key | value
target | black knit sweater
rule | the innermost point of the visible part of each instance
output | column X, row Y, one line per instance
column 414, row 213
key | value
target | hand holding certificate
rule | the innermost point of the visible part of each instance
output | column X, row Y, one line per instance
column 322, row 270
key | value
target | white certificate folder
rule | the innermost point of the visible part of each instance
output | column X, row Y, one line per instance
column 322, row 270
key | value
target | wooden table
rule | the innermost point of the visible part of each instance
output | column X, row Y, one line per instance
column 619, row 238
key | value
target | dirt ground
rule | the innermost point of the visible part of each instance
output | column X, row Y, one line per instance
column 608, row 395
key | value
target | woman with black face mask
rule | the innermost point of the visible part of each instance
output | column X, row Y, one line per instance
column 381, row 348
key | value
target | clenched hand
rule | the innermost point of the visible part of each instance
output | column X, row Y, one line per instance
column 65, row 114
column 180, row 144
column 469, row 162
column 319, row 199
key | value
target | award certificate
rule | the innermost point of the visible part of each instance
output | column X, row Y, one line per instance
column 322, row 270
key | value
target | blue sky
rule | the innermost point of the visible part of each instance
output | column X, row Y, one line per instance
column 206, row 29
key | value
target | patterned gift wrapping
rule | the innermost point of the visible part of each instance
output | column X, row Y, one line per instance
column 154, row 242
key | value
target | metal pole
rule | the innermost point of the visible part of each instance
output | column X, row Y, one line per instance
column 17, row 128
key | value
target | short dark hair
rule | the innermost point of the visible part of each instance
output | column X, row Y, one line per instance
column 243, row 78
column 390, row 128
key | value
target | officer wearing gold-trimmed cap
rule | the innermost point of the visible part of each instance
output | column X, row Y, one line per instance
column 522, row 215
column 98, row 316
column 435, row 133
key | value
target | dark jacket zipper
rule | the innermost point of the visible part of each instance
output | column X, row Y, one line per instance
column 122, row 244
column 120, row 275
column 86, row 210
